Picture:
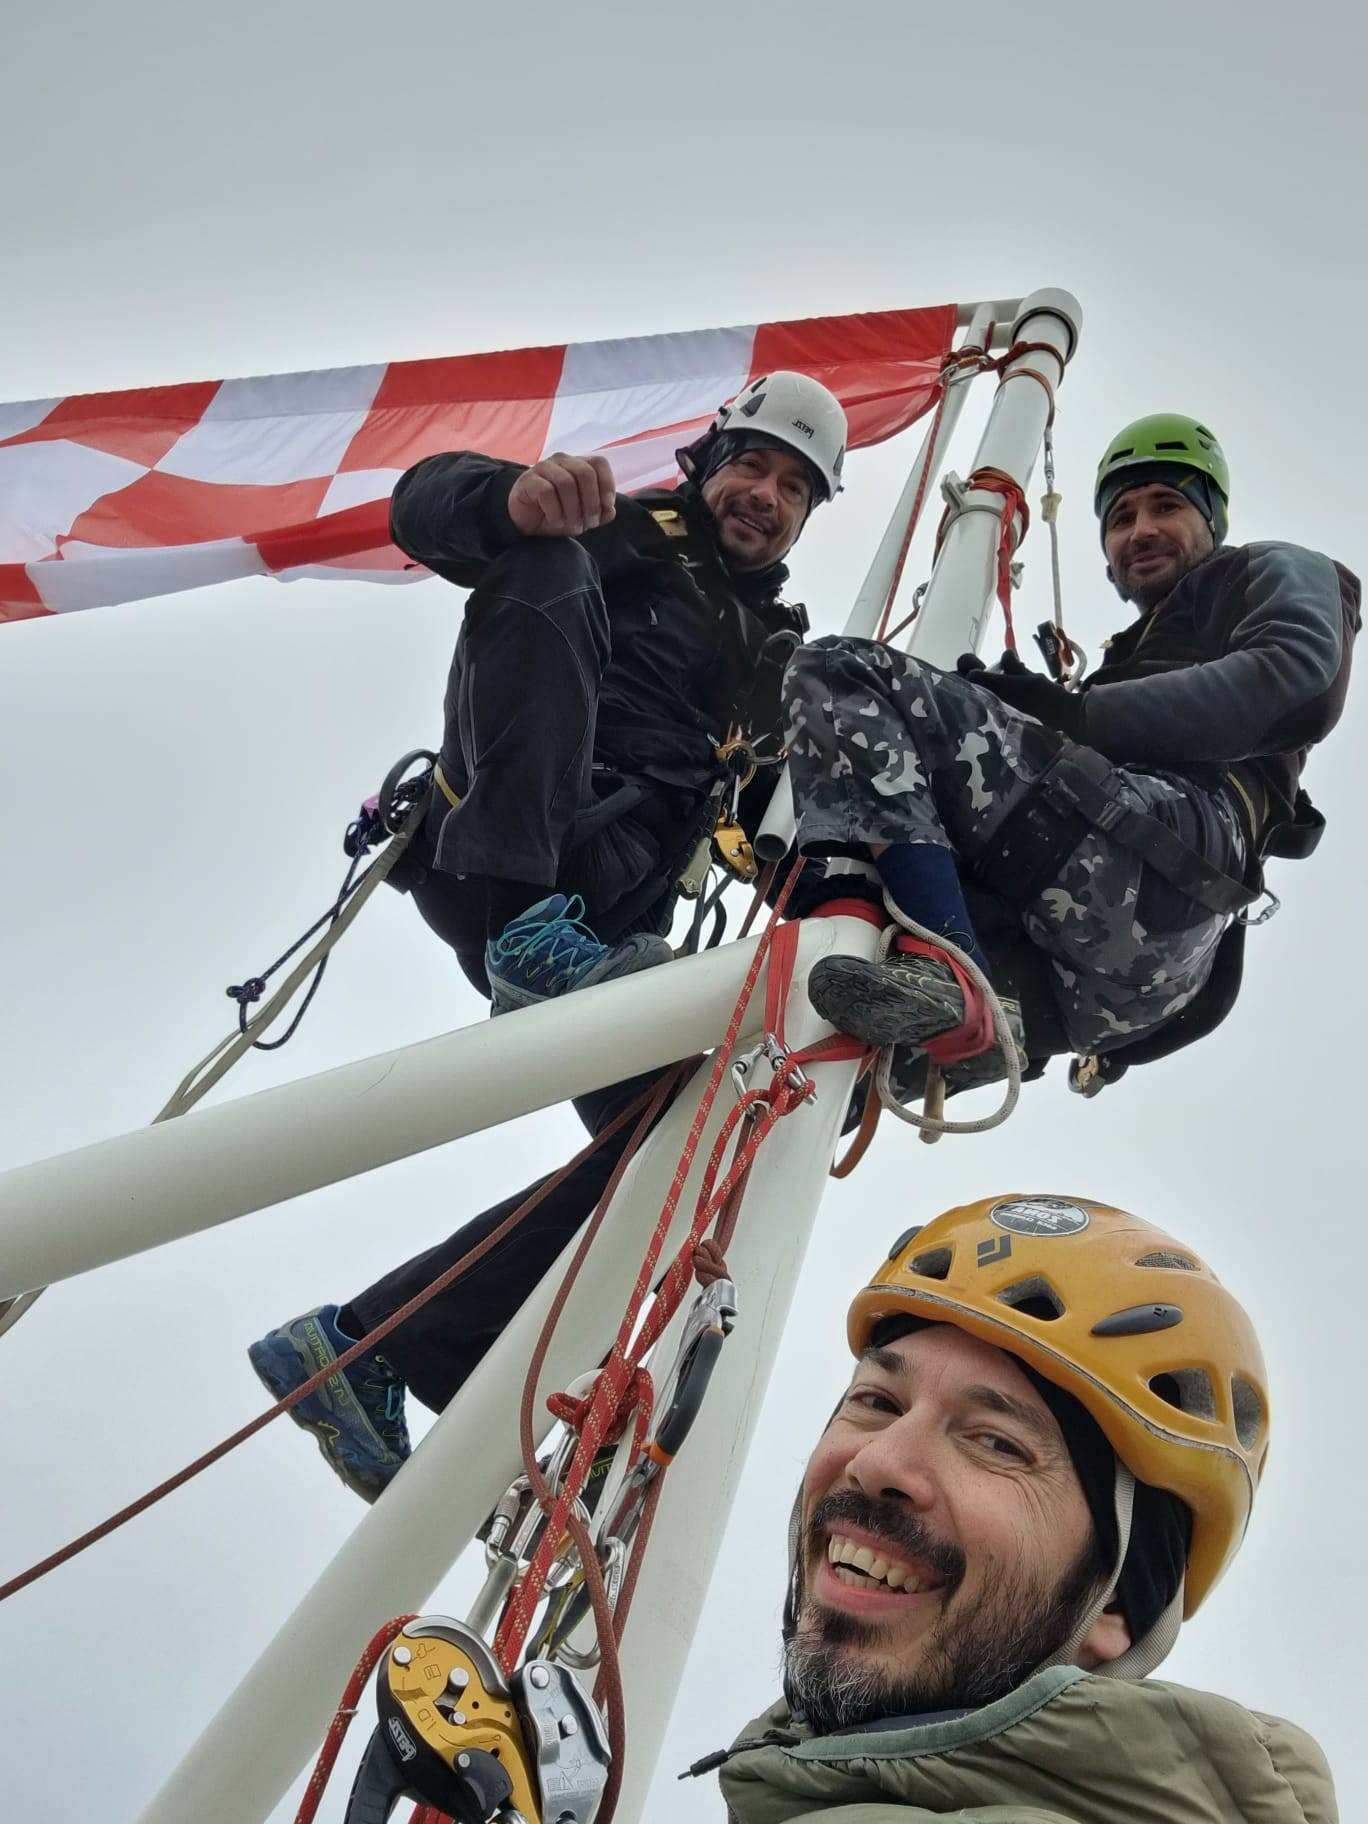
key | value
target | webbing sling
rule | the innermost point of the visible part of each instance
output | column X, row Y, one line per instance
column 1074, row 795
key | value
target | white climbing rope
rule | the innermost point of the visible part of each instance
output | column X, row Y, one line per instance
column 933, row 1126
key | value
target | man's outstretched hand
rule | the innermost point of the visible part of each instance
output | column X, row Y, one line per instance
column 562, row 496
column 1027, row 691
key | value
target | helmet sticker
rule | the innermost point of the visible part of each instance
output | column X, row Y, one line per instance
column 1041, row 1216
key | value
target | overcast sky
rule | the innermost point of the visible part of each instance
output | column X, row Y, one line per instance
column 198, row 192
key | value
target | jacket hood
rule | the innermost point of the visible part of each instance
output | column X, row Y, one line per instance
column 1064, row 1748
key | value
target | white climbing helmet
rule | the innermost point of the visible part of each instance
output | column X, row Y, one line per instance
column 796, row 410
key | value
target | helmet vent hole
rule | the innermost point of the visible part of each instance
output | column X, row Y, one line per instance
column 1174, row 443
column 934, row 1264
column 1189, row 1389
column 1034, row 1298
column 1248, row 1409
column 903, row 1240
column 1162, row 1259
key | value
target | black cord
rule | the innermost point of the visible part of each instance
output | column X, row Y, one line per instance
column 247, row 993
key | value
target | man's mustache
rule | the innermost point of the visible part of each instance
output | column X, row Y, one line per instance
column 890, row 1521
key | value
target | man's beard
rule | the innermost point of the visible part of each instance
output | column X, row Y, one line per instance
column 973, row 1658
column 1148, row 592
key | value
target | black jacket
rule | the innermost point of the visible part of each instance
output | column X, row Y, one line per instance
column 693, row 646
column 1241, row 668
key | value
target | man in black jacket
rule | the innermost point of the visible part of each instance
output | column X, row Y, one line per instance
column 610, row 647
column 1123, row 823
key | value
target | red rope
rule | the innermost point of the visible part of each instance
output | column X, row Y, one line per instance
column 608, row 1404
column 989, row 479
column 341, row 1722
column 978, row 359
column 367, row 1342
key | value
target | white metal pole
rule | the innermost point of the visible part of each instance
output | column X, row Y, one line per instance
column 956, row 608
column 271, row 1725
column 80, row 1210
column 775, row 836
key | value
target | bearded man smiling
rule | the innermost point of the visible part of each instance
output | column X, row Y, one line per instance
column 1047, row 1456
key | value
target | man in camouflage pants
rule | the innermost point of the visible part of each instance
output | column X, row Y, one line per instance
column 1185, row 747
column 888, row 750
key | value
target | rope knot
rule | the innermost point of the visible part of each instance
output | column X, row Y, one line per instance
column 709, row 1263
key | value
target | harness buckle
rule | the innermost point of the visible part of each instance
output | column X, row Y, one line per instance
column 1261, row 918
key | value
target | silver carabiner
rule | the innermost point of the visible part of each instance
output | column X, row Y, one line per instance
column 770, row 1049
column 1274, row 905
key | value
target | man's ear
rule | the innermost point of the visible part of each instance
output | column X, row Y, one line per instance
column 1107, row 1639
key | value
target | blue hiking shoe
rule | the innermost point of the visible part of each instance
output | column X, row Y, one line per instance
column 548, row 950
column 357, row 1417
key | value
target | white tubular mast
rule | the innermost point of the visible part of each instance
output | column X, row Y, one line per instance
column 273, row 1723
column 68, row 1215
column 955, row 608
column 959, row 597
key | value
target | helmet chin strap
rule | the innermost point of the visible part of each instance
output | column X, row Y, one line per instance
column 1142, row 1656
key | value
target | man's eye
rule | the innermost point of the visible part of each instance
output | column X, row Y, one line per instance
column 1003, row 1446
column 870, row 1399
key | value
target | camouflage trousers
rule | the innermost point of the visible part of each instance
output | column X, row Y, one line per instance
column 884, row 748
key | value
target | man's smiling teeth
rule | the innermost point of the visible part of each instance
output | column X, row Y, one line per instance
column 842, row 1552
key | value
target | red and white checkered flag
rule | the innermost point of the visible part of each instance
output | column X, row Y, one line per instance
column 110, row 497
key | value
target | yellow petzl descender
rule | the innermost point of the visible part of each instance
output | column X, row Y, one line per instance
column 457, row 1735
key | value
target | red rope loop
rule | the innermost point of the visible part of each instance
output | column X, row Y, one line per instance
column 709, row 1263
column 1014, row 507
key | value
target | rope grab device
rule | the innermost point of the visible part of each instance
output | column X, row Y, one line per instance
column 458, row 1734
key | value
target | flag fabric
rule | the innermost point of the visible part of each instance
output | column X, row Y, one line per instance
column 111, row 497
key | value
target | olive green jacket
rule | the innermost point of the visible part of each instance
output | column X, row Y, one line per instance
column 1064, row 1748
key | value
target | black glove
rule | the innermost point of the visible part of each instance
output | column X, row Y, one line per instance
column 1023, row 689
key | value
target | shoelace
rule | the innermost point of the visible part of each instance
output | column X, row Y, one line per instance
column 541, row 947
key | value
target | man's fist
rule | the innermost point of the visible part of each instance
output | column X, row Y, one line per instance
column 562, row 496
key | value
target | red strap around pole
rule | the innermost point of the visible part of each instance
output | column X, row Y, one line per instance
column 976, row 1033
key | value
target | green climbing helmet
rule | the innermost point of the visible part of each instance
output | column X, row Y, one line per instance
column 1142, row 451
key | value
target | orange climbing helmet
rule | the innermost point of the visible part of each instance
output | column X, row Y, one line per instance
column 1129, row 1321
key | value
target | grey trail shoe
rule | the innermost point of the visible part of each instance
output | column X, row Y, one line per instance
column 549, row 950
column 356, row 1416
column 905, row 1000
